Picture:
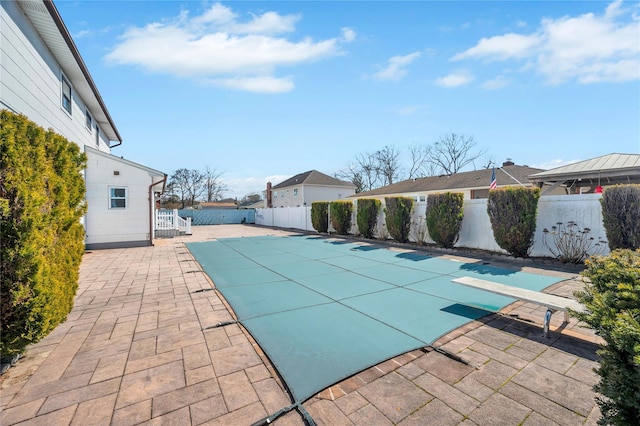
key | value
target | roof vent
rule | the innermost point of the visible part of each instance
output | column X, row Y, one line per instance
column 508, row 163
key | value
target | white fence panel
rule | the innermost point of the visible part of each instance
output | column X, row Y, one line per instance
column 476, row 232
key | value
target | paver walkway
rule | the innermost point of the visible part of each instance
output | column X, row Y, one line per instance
column 136, row 350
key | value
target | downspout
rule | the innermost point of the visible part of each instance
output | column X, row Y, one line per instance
column 152, row 200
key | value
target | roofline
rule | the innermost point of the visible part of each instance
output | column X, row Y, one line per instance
column 124, row 161
column 57, row 19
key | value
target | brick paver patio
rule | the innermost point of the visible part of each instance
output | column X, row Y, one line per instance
column 136, row 349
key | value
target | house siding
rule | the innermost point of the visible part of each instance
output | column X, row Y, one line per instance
column 31, row 81
column 126, row 227
column 307, row 194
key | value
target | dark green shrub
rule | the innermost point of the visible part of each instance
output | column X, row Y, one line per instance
column 340, row 212
column 367, row 216
column 444, row 217
column 512, row 212
column 42, row 193
column 320, row 216
column 621, row 215
column 612, row 302
column 398, row 217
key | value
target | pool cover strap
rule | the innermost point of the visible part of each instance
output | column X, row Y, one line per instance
column 308, row 420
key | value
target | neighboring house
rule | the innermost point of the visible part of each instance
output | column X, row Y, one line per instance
column 591, row 176
column 305, row 188
column 44, row 78
column 473, row 184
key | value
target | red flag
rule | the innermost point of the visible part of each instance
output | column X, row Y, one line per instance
column 494, row 182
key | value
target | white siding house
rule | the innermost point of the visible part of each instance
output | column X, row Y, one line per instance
column 43, row 77
column 305, row 188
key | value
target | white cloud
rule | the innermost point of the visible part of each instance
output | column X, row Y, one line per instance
column 587, row 48
column 264, row 84
column 497, row 83
column 455, row 79
column 217, row 46
column 409, row 109
column 396, row 69
column 501, row 47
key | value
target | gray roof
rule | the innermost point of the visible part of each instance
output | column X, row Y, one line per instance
column 47, row 21
column 478, row 179
column 611, row 165
column 313, row 177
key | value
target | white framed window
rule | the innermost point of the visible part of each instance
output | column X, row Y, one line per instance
column 66, row 95
column 423, row 198
column 118, row 197
column 282, row 194
column 295, row 192
column 88, row 121
column 97, row 135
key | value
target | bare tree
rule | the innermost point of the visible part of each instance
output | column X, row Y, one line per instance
column 214, row 187
column 188, row 185
column 388, row 165
column 453, row 152
column 354, row 175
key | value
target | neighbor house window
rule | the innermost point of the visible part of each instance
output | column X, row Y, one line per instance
column 66, row 95
column 423, row 198
column 281, row 194
column 87, row 119
column 295, row 192
column 97, row 135
column 117, row 198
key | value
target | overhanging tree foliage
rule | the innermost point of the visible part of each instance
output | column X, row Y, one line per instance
column 41, row 203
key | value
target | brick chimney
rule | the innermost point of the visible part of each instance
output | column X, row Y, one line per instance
column 269, row 195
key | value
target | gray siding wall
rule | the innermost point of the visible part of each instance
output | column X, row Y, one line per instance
column 30, row 82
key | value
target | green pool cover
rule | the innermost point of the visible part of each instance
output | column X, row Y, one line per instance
column 324, row 309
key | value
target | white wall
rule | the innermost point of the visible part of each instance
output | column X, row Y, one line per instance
column 476, row 231
column 105, row 226
column 31, row 81
column 307, row 194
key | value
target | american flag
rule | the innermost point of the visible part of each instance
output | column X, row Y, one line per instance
column 494, row 183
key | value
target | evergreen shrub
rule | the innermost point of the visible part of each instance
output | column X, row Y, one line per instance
column 341, row 216
column 612, row 302
column 367, row 216
column 398, row 217
column 42, row 201
column 512, row 212
column 320, row 216
column 444, row 217
column 621, row 215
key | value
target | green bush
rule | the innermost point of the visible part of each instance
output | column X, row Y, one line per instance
column 621, row 215
column 398, row 217
column 320, row 216
column 444, row 217
column 42, row 193
column 512, row 212
column 340, row 212
column 612, row 302
column 367, row 216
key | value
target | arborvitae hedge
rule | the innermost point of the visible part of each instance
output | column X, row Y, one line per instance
column 367, row 216
column 340, row 212
column 612, row 302
column 512, row 211
column 41, row 200
column 320, row 216
column 398, row 217
column 621, row 215
column 444, row 217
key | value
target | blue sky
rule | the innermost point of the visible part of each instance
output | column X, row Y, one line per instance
column 260, row 91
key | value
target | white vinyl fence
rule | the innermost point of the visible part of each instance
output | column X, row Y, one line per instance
column 476, row 233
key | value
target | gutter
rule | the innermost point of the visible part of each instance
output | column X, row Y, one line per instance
column 151, row 207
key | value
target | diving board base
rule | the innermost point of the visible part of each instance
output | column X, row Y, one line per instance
column 551, row 302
